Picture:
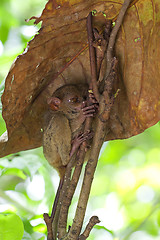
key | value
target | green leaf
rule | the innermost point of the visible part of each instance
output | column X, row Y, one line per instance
column 9, row 182
column 104, row 228
column 113, row 152
column 151, row 228
column 11, row 227
column 27, row 226
column 158, row 218
column 40, row 228
column 2, row 123
column 15, row 172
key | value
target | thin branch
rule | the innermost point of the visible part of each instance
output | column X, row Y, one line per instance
column 88, row 178
column 101, row 43
column 64, row 200
column 92, row 57
column 56, row 198
column 114, row 35
column 92, row 222
column 48, row 222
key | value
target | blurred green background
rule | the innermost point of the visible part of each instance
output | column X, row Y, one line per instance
column 126, row 188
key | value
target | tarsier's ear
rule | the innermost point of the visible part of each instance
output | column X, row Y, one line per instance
column 54, row 103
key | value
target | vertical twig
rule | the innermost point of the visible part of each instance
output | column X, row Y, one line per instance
column 65, row 201
column 78, row 168
column 113, row 35
column 88, row 178
column 93, row 83
column 103, row 44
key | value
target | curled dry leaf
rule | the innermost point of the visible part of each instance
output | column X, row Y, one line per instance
column 59, row 55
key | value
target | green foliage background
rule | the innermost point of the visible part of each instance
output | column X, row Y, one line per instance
column 126, row 188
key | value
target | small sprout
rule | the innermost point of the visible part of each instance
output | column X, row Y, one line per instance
column 94, row 12
column 137, row 39
column 116, row 94
column 58, row 7
column 90, row 91
column 68, row 59
column 113, row 24
column 99, row 47
column 41, row 129
column 104, row 14
column 30, row 98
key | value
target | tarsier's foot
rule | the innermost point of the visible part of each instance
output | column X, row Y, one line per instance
column 82, row 137
column 78, row 140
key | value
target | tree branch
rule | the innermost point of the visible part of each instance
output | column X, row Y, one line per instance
column 93, row 221
column 114, row 35
column 93, row 84
column 88, row 178
column 65, row 199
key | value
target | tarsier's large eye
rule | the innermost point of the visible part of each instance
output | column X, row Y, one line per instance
column 74, row 100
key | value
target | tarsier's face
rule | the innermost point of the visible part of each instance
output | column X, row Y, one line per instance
column 67, row 99
column 73, row 98
column 74, row 101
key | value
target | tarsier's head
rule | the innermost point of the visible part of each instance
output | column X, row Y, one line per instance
column 68, row 99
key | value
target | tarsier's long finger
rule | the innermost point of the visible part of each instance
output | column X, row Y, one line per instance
column 89, row 112
column 89, row 109
column 92, row 111
column 81, row 135
column 81, row 140
column 85, row 136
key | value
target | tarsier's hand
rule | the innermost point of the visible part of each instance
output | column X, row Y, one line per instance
column 90, row 107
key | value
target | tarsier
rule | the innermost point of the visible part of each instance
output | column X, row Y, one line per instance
column 64, row 122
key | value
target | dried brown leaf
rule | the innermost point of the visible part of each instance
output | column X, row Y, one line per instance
column 59, row 55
